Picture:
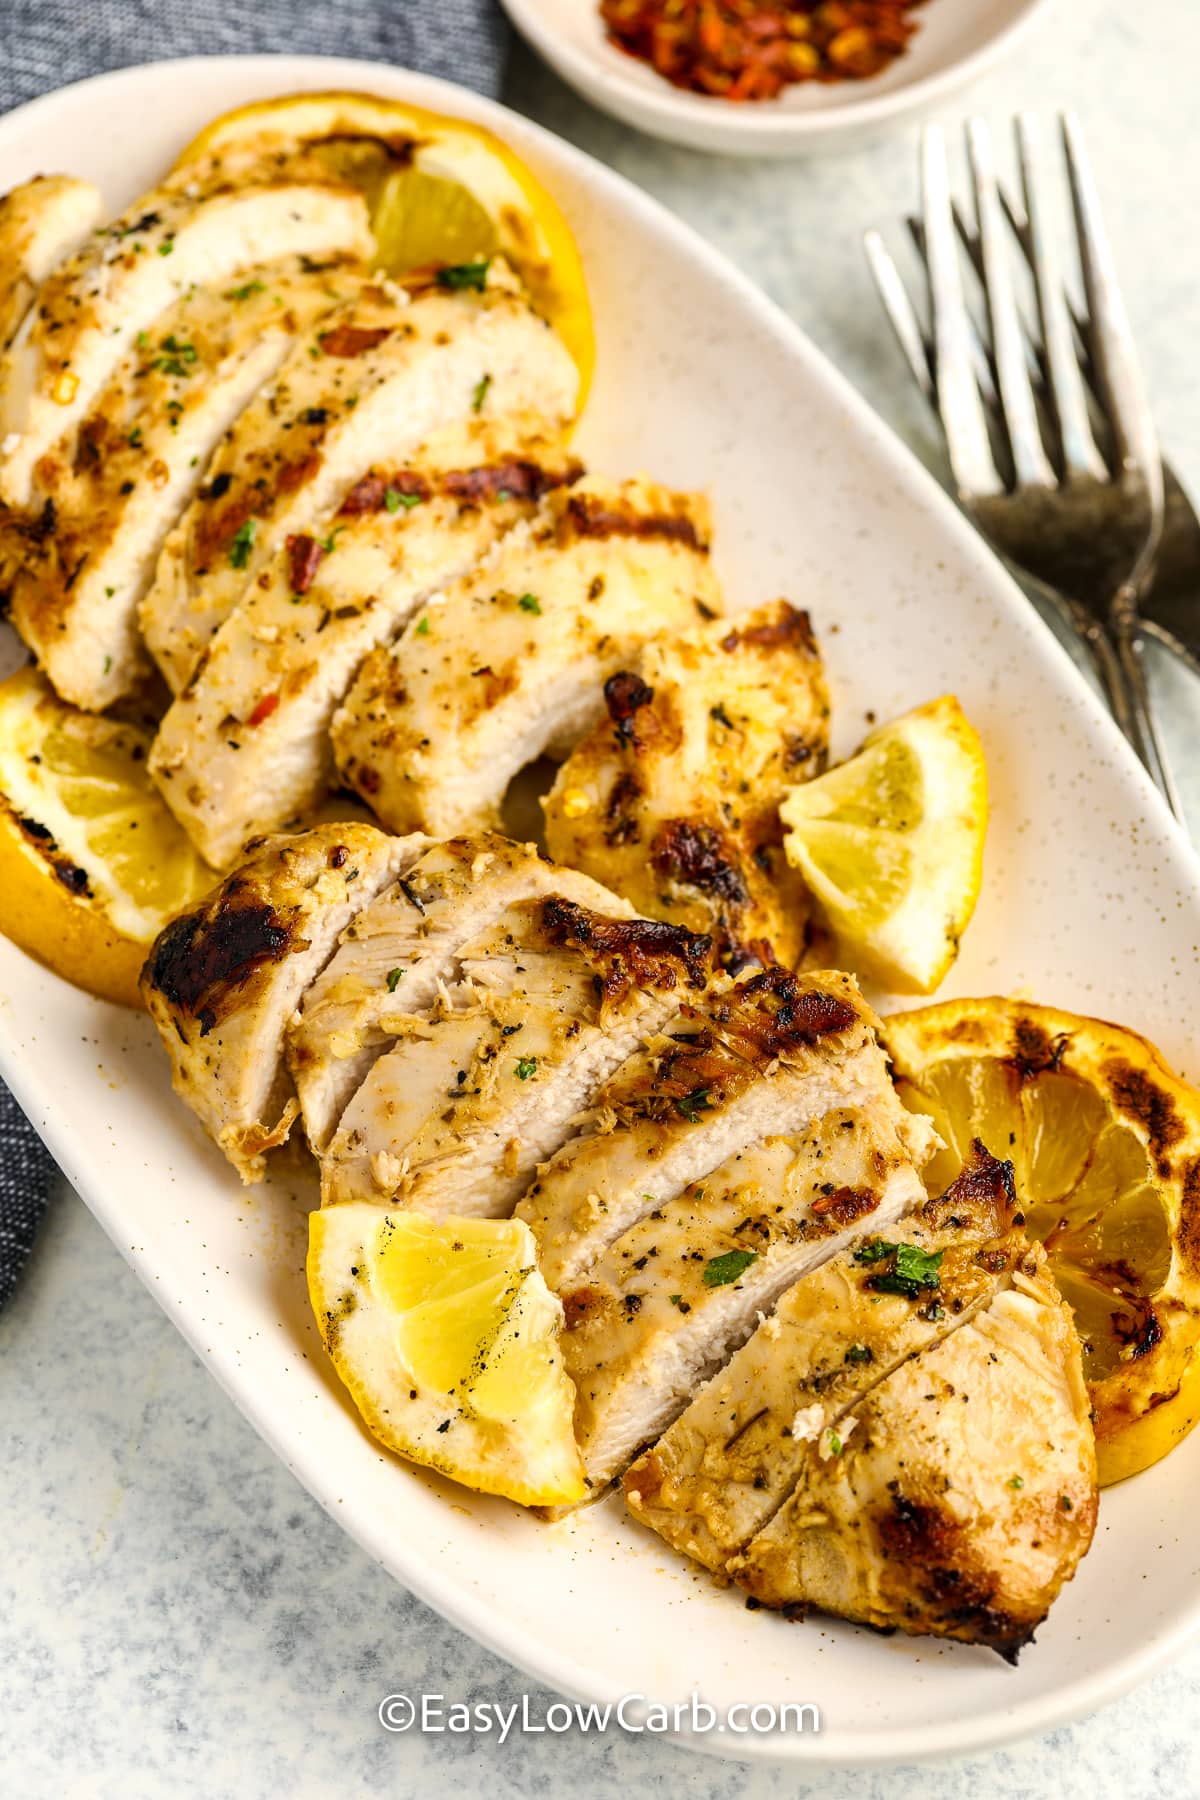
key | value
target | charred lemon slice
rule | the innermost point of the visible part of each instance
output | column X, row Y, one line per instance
column 441, row 191
column 890, row 845
column 447, row 1338
column 92, row 864
column 1105, row 1142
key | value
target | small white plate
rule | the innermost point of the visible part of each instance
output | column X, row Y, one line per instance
column 956, row 41
column 1091, row 901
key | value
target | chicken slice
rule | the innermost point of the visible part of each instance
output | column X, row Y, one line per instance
column 139, row 457
column 91, row 309
column 510, row 663
column 401, row 951
column 667, row 1304
column 966, row 1495
column 41, row 222
column 245, row 747
column 730, row 1460
column 362, row 393
column 675, row 793
column 769, row 1057
column 457, row 1116
column 222, row 982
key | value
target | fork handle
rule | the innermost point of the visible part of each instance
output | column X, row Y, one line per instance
column 1135, row 699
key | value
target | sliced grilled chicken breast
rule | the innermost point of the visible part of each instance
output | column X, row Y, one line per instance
column 903, row 1441
column 246, row 745
column 767, row 1058
column 675, row 792
column 222, row 982
column 41, row 222
column 456, row 1117
column 510, row 662
column 361, row 393
column 91, row 309
column 402, row 951
column 729, row 1461
column 138, row 458
column 665, row 1306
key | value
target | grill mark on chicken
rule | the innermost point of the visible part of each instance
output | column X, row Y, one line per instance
column 625, row 694
column 222, row 983
column 790, row 625
column 630, row 953
column 930, row 1538
column 585, row 517
column 788, row 1015
column 675, row 794
column 515, row 478
column 200, row 961
column 700, row 855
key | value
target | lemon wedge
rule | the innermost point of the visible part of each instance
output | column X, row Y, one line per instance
column 441, row 190
column 92, row 864
column 446, row 1336
column 890, row 844
column 1105, row 1145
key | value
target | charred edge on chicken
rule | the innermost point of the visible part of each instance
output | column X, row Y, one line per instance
column 200, row 961
column 630, row 953
column 791, row 626
column 771, row 1015
column 586, row 518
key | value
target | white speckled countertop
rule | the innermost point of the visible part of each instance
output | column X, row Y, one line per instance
column 176, row 1616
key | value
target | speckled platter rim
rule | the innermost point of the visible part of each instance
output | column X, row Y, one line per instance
column 1092, row 900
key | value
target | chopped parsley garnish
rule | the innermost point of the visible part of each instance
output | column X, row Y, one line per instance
column 244, row 292
column 177, row 359
column 860, row 1353
column 721, row 716
column 391, row 499
column 166, row 247
column 719, row 1271
column 327, row 544
column 480, row 394
column 394, row 977
column 459, row 276
column 873, row 1253
column 833, row 1444
column 526, row 1066
column 423, row 626
column 913, row 1272
column 1017, row 1481
column 1067, row 1504
column 142, row 340
column 693, row 1104
column 531, row 604
column 134, row 440
column 239, row 550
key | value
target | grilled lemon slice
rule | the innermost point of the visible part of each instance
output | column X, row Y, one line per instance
column 890, row 844
column 447, row 1338
column 1105, row 1142
column 92, row 864
column 441, row 191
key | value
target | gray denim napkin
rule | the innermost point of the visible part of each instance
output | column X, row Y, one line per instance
column 48, row 43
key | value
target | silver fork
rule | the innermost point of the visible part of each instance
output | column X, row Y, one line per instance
column 1013, row 402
